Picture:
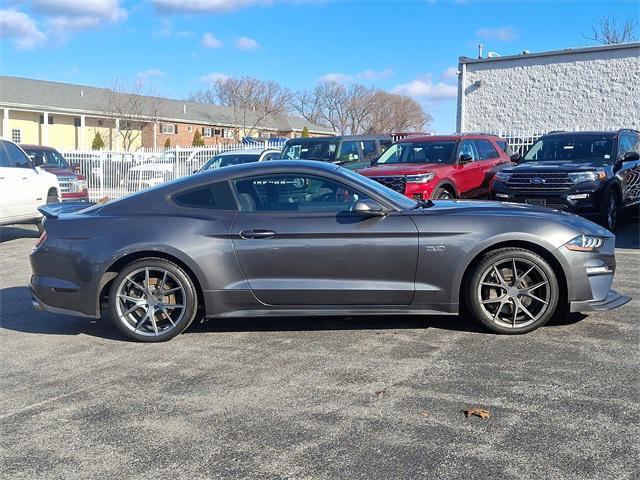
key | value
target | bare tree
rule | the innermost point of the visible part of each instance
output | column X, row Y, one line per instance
column 132, row 107
column 251, row 101
column 607, row 31
column 395, row 113
column 306, row 104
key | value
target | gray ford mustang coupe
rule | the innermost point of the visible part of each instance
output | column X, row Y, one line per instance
column 311, row 238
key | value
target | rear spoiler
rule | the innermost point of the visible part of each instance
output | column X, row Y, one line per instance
column 54, row 210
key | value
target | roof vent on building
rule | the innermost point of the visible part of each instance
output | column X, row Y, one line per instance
column 184, row 108
column 81, row 93
column 493, row 55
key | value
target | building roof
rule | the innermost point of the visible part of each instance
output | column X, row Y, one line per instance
column 565, row 51
column 68, row 98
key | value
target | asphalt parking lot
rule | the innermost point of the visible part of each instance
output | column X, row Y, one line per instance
column 318, row 398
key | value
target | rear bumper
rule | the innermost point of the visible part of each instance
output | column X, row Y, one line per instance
column 41, row 306
column 611, row 301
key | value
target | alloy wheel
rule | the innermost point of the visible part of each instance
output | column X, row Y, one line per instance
column 514, row 293
column 151, row 301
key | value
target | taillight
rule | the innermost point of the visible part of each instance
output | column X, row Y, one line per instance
column 41, row 240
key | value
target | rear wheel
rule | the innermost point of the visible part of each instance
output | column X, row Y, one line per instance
column 443, row 193
column 152, row 300
column 513, row 290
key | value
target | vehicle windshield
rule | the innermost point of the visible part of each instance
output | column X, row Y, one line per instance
column 571, row 147
column 319, row 150
column 49, row 158
column 420, row 152
column 404, row 202
column 227, row 160
column 167, row 157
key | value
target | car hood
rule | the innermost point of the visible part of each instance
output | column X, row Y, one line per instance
column 401, row 169
column 557, row 166
column 503, row 211
column 59, row 171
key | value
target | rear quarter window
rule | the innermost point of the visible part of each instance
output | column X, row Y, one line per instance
column 216, row 196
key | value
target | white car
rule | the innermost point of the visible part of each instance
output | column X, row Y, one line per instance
column 23, row 188
column 236, row 157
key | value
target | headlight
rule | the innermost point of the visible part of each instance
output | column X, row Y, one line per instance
column 423, row 178
column 579, row 177
column 503, row 176
column 585, row 243
column 82, row 184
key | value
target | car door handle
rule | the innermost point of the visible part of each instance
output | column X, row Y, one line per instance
column 257, row 234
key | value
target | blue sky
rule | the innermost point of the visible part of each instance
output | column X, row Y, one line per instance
column 177, row 46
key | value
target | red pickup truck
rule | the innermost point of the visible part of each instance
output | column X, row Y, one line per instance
column 452, row 166
column 73, row 185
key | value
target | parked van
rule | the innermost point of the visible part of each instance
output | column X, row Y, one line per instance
column 350, row 151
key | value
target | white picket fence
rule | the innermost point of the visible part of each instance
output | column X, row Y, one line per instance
column 114, row 174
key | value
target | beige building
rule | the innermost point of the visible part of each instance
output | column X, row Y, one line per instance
column 68, row 117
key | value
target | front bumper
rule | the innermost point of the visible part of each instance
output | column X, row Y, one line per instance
column 611, row 301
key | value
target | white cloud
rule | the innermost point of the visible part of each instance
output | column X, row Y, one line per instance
column 450, row 73
column 364, row 75
column 210, row 41
column 503, row 34
column 424, row 87
column 166, row 30
column 213, row 78
column 151, row 73
column 246, row 43
column 205, row 6
column 21, row 28
column 97, row 10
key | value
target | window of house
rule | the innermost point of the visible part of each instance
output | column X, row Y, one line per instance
column 189, row 129
column 168, row 128
column 217, row 132
column 76, row 122
column 49, row 119
column 228, row 133
column 16, row 135
column 207, row 131
column 216, row 196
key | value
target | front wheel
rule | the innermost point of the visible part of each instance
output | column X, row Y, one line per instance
column 610, row 210
column 513, row 290
column 152, row 300
column 443, row 193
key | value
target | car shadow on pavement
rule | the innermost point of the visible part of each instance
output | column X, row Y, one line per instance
column 628, row 233
column 15, row 232
column 17, row 314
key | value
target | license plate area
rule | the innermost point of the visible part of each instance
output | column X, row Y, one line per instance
column 535, row 201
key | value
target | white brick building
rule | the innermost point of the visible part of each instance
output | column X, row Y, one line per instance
column 582, row 88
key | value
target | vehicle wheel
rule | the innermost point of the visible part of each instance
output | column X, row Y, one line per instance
column 152, row 300
column 513, row 290
column 443, row 193
column 610, row 210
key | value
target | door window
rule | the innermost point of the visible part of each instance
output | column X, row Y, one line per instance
column 467, row 148
column 486, row 150
column 4, row 158
column 17, row 157
column 628, row 143
column 304, row 193
column 369, row 150
column 349, row 152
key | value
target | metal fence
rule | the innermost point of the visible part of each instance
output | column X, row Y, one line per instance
column 114, row 174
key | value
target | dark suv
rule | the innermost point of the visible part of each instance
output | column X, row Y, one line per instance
column 349, row 151
column 593, row 174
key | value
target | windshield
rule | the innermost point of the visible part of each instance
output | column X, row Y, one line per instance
column 420, row 152
column 226, row 160
column 571, row 147
column 167, row 157
column 320, row 150
column 397, row 198
column 49, row 158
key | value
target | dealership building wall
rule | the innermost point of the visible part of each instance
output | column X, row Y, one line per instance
column 572, row 89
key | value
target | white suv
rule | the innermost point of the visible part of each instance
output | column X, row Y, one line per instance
column 23, row 188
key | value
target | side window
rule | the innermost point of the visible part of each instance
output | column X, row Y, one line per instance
column 486, row 151
column 504, row 146
column 349, row 152
column 298, row 193
column 17, row 158
column 467, row 148
column 271, row 156
column 369, row 150
column 216, row 196
column 4, row 159
column 628, row 143
column 384, row 145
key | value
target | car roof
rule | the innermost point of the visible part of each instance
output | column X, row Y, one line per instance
column 338, row 138
column 33, row 146
column 247, row 151
column 441, row 138
column 260, row 167
column 593, row 132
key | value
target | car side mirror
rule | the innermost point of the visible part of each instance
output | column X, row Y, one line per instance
column 630, row 157
column 516, row 157
column 369, row 208
column 464, row 158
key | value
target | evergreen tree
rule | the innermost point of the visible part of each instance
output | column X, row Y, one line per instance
column 97, row 143
column 167, row 143
column 198, row 141
column 305, row 132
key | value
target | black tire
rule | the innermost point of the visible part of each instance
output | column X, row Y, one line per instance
column 144, row 332
column 482, row 309
column 610, row 210
column 443, row 193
